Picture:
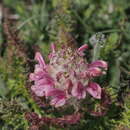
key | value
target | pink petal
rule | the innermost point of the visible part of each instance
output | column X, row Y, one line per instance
column 99, row 63
column 40, row 60
column 38, row 90
column 56, row 92
column 94, row 72
column 48, row 89
column 38, row 68
column 52, row 54
column 35, row 76
column 45, row 81
column 94, row 90
column 82, row 49
column 42, row 90
column 58, row 97
column 58, row 101
column 53, row 47
column 79, row 91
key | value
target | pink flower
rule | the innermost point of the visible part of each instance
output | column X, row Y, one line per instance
column 94, row 90
column 38, row 57
column 99, row 63
column 53, row 48
column 39, row 90
column 93, row 72
column 58, row 97
column 79, row 91
column 37, row 75
column 58, row 101
column 45, row 81
column 82, row 49
column 66, row 76
column 55, row 92
column 52, row 54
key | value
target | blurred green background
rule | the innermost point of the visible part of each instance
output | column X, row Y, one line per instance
column 30, row 25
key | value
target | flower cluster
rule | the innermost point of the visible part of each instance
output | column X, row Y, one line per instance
column 67, row 77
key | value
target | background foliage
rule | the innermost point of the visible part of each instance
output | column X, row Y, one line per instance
column 35, row 24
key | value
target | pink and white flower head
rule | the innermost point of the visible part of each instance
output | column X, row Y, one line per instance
column 67, row 76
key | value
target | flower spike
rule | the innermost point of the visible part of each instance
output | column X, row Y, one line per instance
column 67, row 76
